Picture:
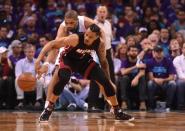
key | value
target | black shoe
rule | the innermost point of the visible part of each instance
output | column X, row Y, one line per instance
column 120, row 115
column 20, row 106
column 39, row 105
column 45, row 115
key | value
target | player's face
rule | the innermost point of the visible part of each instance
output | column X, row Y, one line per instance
column 89, row 37
column 70, row 23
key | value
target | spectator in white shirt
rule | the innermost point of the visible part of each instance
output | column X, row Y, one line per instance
column 179, row 63
column 27, row 65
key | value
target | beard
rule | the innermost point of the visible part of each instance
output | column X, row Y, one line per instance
column 159, row 58
column 133, row 57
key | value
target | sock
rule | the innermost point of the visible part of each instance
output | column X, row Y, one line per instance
column 48, row 103
column 20, row 100
column 116, row 108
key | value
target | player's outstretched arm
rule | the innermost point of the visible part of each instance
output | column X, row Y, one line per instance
column 52, row 54
column 103, row 61
column 71, row 40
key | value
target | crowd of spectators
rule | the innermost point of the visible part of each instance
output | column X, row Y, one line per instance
column 148, row 43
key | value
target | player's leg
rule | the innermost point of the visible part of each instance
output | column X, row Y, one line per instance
column 54, row 80
column 111, row 65
column 107, row 88
column 56, row 89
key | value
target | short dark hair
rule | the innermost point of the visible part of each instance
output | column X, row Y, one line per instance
column 94, row 28
column 132, row 46
column 158, row 48
column 71, row 14
column 44, row 36
column 29, row 46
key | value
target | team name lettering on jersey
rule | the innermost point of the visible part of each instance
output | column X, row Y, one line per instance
column 83, row 51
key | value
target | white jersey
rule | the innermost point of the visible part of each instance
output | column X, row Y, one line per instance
column 81, row 28
column 106, row 26
column 81, row 24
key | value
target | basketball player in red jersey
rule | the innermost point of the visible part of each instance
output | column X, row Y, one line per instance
column 76, row 58
column 72, row 24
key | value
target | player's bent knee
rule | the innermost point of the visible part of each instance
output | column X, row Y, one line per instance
column 98, row 75
column 64, row 75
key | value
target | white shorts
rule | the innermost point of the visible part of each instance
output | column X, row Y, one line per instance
column 57, row 61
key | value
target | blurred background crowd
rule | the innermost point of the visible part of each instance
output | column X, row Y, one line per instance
column 147, row 31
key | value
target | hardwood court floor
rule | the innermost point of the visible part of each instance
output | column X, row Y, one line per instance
column 82, row 121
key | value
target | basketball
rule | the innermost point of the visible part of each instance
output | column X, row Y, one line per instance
column 26, row 82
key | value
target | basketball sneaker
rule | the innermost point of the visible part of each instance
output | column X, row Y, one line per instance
column 45, row 115
column 120, row 115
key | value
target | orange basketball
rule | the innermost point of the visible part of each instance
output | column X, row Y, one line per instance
column 26, row 82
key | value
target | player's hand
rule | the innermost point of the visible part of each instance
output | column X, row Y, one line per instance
column 42, row 70
column 134, row 82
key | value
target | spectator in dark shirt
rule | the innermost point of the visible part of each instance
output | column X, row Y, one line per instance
column 123, row 29
column 164, row 41
column 25, row 13
column 170, row 11
column 16, row 53
column 6, row 81
column 4, row 41
column 30, row 26
column 132, row 78
column 161, row 78
column 179, row 24
column 43, row 40
column 10, row 16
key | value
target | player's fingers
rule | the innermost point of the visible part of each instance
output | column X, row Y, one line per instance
column 38, row 76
